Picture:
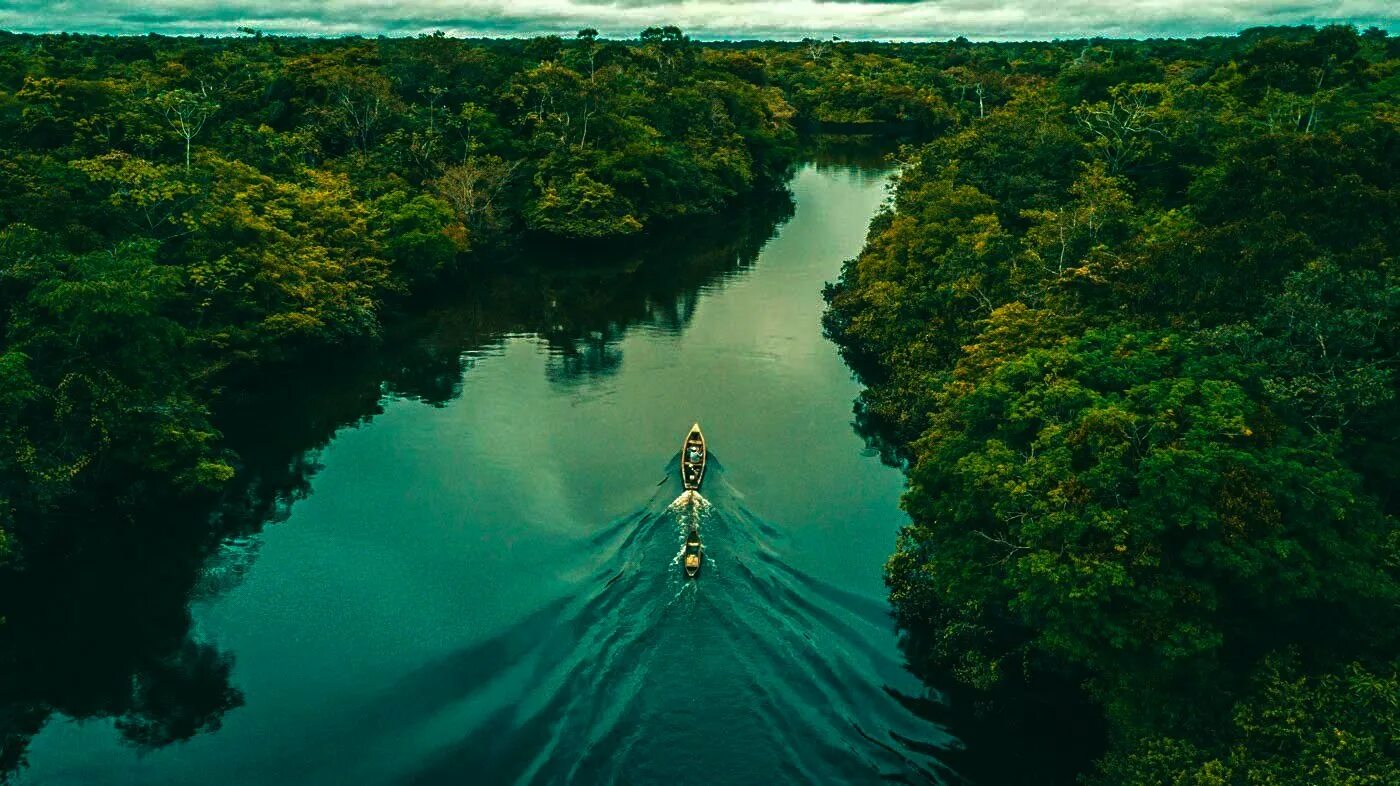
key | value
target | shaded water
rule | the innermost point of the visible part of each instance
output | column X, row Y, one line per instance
column 457, row 557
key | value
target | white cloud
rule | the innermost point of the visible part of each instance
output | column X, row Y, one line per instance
column 920, row 19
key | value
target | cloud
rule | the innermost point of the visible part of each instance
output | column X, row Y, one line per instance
column 897, row 19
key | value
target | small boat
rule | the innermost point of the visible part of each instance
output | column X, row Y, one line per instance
column 693, row 454
column 691, row 560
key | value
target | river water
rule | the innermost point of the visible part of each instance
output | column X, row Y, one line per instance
column 458, row 560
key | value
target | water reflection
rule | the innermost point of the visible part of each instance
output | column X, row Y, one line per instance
column 583, row 302
column 104, row 631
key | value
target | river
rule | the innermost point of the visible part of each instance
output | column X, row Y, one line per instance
column 459, row 558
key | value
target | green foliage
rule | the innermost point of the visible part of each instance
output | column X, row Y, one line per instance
column 1294, row 728
column 1136, row 331
column 1139, row 506
column 839, row 85
column 149, row 195
column 176, row 213
column 582, row 208
column 418, row 243
column 292, row 261
column 111, row 400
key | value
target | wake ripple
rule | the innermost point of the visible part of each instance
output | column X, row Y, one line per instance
column 753, row 672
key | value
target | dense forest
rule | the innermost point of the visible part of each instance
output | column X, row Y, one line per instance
column 1130, row 319
column 1135, row 328
column 179, row 215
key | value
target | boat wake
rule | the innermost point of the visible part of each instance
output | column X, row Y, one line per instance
column 689, row 510
column 612, row 683
column 689, row 500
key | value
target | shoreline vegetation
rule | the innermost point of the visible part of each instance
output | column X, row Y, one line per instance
column 1130, row 320
column 1134, row 333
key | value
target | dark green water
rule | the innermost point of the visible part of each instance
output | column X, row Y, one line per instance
column 457, row 562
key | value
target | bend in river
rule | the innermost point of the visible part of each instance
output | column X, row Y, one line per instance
column 472, row 575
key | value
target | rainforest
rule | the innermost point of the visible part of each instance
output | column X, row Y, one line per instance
column 1123, row 321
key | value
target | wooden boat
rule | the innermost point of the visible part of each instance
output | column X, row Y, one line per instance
column 692, row 557
column 693, row 455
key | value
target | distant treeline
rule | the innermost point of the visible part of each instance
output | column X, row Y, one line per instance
column 1136, row 330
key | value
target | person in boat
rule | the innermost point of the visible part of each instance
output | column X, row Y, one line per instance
column 694, row 454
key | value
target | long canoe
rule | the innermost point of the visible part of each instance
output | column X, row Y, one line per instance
column 693, row 553
column 693, row 455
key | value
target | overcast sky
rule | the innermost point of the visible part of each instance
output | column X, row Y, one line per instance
column 899, row 19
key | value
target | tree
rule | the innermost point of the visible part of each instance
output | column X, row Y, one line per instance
column 290, row 263
column 347, row 93
column 155, row 196
column 590, row 48
column 554, row 99
column 473, row 189
column 668, row 46
column 817, row 48
column 1121, row 503
column 1123, row 128
column 360, row 107
column 421, row 238
column 186, row 112
column 110, row 402
column 1073, row 247
column 581, row 207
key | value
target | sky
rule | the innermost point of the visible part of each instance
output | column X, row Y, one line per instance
column 706, row 19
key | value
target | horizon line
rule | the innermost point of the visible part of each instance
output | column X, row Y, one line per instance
column 701, row 36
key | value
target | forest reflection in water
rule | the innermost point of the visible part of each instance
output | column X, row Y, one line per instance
column 101, row 627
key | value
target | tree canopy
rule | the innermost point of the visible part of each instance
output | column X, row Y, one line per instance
column 177, row 213
column 1134, row 331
